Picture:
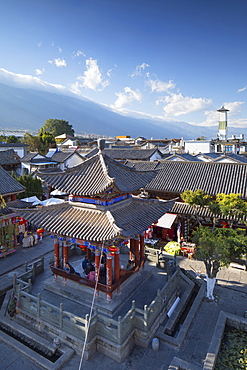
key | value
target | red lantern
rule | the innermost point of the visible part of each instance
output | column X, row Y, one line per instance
column 113, row 249
column 82, row 247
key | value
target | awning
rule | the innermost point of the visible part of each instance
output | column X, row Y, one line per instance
column 167, row 220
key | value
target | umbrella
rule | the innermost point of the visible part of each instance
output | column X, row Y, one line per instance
column 51, row 201
column 57, row 192
column 33, row 200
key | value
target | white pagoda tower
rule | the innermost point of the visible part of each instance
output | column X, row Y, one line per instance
column 222, row 133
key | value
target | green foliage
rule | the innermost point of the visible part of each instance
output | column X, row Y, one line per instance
column 222, row 204
column 2, row 202
column 218, row 247
column 233, row 351
column 231, row 204
column 47, row 140
column 196, row 198
column 12, row 139
column 32, row 184
column 57, row 127
column 34, row 142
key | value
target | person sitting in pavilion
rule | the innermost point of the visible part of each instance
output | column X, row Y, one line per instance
column 70, row 269
column 89, row 268
column 91, row 275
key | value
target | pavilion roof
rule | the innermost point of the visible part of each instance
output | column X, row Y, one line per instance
column 213, row 178
column 95, row 175
column 97, row 223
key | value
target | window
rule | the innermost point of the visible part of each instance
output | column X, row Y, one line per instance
column 228, row 148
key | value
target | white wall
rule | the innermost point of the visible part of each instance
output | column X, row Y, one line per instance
column 197, row 146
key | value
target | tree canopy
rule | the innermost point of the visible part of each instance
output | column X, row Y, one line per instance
column 32, row 184
column 57, row 127
column 218, row 246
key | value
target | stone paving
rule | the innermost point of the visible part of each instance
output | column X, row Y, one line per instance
column 231, row 294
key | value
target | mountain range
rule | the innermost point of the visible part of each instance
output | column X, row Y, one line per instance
column 28, row 109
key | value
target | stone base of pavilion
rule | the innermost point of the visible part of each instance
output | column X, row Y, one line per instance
column 82, row 294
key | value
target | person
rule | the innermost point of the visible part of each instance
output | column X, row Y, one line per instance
column 84, row 263
column 91, row 275
column 70, row 269
column 130, row 265
column 103, row 258
column 89, row 268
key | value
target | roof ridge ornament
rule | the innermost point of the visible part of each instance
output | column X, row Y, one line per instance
column 101, row 145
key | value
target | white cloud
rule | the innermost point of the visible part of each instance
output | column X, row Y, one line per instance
column 126, row 97
column 243, row 89
column 92, row 78
column 177, row 104
column 78, row 53
column 27, row 81
column 58, row 62
column 159, row 86
column 39, row 71
column 212, row 116
column 59, row 49
column 139, row 69
column 234, row 107
column 39, row 44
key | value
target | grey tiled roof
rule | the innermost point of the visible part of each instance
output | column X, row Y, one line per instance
column 18, row 203
column 29, row 156
column 140, row 154
column 9, row 157
column 142, row 165
column 185, row 209
column 124, row 219
column 95, row 175
column 63, row 156
column 236, row 157
column 92, row 153
column 213, row 178
column 8, row 185
column 13, row 145
column 183, row 157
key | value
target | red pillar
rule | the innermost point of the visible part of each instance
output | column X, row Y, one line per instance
column 109, row 274
column 116, row 266
column 137, row 257
column 56, row 252
column 97, row 264
column 65, row 252
column 132, row 248
column 89, row 254
column 142, row 247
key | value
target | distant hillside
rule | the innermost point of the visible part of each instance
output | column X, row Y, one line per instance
column 29, row 109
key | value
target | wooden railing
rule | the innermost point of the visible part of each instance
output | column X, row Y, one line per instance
column 109, row 289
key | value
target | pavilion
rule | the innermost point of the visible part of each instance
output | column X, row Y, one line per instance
column 106, row 209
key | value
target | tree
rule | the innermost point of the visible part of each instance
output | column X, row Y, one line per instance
column 32, row 184
column 12, row 139
column 34, row 142
column 2, row 202
column 57, row 127
column 217, row 246
column 47, row 140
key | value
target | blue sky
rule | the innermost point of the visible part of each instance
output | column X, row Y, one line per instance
column 176, row 60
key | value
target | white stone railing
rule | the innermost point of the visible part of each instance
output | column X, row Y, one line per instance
column 113, row 330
